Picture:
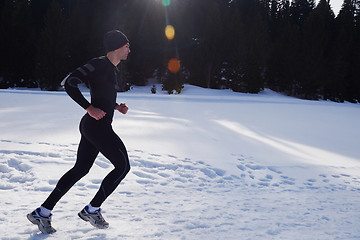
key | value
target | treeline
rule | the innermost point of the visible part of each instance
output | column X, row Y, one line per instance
column 296, row 47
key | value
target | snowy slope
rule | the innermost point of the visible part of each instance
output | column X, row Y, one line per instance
column 206, row 164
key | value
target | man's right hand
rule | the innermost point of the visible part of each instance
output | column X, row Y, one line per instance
column 95, row 113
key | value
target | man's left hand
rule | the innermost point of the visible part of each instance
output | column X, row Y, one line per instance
column 122, row 108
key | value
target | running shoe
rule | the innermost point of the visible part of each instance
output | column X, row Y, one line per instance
column 95, row 219
column 44, row 223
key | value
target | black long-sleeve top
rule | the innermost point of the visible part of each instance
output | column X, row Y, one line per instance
column 100, row 75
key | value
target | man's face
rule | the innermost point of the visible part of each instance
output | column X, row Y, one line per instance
column 123, row 52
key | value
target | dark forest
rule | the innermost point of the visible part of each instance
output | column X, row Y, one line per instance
column 298, row 47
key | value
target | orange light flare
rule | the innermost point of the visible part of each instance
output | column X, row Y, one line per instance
column 169, row 32
column 174, row 65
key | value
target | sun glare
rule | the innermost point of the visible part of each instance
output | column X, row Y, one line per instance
column 170, row 32
column 166, row 3
column 174, row 65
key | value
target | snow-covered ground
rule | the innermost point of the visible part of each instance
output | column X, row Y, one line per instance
column 206, row 164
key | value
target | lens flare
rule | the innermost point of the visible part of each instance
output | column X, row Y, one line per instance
column 174, row 65
column 166, row 3
column 170, row 32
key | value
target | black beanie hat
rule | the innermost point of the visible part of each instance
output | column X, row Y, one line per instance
column 114, row 40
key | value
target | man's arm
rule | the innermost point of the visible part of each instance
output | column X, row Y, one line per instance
column 70, row 84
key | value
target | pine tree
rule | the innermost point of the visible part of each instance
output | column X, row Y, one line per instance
column 340, row 86
column 17, row 45
column 283, row 63
column 145, row 22
column 250, row 45
column 53, row 54
column 316, row 47
column 7, row 70
column 173, row 82
column 300, row 10
column 356, row 67
column 39, row 9
column 206, row 36
column 80, row 25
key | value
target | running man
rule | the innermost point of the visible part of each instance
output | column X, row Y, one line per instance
column 97, row 135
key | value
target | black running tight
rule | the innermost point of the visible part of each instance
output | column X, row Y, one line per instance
column 96, row 136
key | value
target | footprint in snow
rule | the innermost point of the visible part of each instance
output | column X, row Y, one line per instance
column 143, row 175
column 273, row 169
column 263, row 174
column 255, row 167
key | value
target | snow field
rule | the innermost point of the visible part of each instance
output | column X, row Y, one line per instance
column 205, row 165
